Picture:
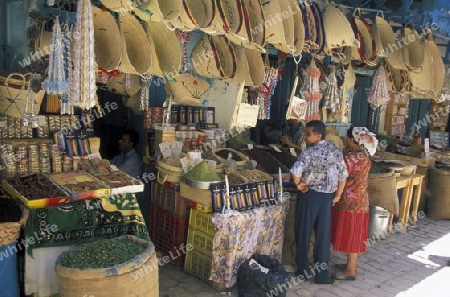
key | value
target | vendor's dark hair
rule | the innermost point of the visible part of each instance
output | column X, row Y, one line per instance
column 318, row 127
column 350, row 132
column 134, row 136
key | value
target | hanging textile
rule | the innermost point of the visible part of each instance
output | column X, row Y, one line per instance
column 312, row 91
column 379, row 92
column 83, row 88
column 266, row 91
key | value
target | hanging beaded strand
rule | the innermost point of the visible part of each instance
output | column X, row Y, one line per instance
column 379, row 92
column 184, row 38
column 146, row 81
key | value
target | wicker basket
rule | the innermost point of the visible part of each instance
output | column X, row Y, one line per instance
column 10, row 231
column 168, row 172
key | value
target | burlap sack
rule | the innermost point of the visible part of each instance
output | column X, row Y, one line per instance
column 136, row 277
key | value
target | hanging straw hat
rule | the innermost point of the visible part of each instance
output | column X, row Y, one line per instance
column 215, row 57
column 242, row 69
column 366, row 52
column 338, row 30
column 197, row 14
column 274, row 28
column 288, row 27
column 136, row 49
column 413, row 52
column 107, row 45
column 163, row 10
column 257, row 28
column 188, row 89
column 382, row 34
column 115, row 85
column 299, row 28
column 438, row 66
column 230, row 11
column 167, row 49
column 255, row 66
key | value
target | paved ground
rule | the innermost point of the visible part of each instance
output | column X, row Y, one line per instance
column 411, row 264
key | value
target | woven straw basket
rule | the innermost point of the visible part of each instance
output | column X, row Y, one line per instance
column 108, row 45
column 13, row 94
column 222, row 64
column 363, row 33
column 115, row 85
column 338, row 30
column 275, row 29
column 255, row 67
column 163, row 10
column 136, row 51
column 10, row 232
column 188, row 89
column 256, row 16
column 197, row 14
column 299, row 28
column 242, row 70
column 167, row 50
column 383, row 35
column 413, row 52
column 423, row 81
column 438, row 66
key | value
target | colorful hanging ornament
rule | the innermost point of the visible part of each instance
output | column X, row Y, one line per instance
column 313, row 95
column 56, row 82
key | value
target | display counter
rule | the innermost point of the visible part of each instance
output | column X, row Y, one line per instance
column 52, row 230
column 239, row 235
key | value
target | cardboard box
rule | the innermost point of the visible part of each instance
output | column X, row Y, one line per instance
column 196, row 195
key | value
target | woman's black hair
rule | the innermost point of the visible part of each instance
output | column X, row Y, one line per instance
column 350, row 132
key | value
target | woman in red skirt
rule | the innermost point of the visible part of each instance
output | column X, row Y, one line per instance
column 350, row 214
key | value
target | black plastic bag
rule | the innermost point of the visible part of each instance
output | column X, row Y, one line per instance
column 253, row 282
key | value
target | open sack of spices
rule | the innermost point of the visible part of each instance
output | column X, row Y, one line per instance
column 202, row 176
column 12, row 217
column 109, row 267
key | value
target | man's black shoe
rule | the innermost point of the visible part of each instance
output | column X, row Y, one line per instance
column 328, row 281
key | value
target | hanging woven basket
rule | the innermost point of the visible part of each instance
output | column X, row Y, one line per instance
column 107, row 45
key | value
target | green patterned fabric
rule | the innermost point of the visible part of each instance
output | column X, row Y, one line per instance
column 84, row 221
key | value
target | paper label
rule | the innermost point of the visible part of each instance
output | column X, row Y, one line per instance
column 212, row 163
column 250, row 146
column 94, row 156
column 165, row 149
column 277, row 149
column 427, row 145
column 177, row 147
column 185, row 164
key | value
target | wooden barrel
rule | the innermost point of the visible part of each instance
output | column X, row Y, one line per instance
column 438, row 203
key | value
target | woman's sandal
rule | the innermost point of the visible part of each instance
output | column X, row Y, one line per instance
column 342, row 276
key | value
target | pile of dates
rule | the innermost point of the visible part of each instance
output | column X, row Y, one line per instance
column 36, row 186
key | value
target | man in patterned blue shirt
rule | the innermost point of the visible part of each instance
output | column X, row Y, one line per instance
column 320, row 174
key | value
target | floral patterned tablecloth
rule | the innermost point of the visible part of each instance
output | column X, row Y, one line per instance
column 239, row 235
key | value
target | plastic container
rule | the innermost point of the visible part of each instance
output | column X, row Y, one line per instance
column 378, row 222
column 201, row 221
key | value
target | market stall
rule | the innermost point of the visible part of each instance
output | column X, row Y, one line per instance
column 209, row 85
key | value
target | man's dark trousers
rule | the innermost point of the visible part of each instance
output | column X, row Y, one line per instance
column 313, row 212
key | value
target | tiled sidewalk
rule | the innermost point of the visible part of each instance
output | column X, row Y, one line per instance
column 411, row 264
